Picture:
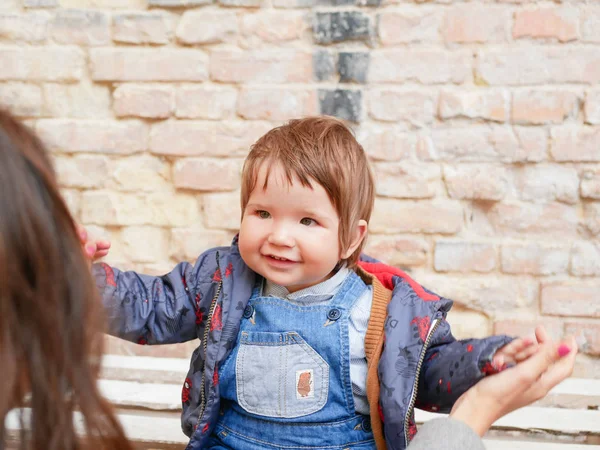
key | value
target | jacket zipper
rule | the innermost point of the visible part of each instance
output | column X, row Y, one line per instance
column 205, row 346
column 413, row 398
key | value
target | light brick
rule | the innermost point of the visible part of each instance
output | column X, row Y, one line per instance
column 526, row 327
column 116, row 346
column 228, row 139
column 464, row 256
column 414, row 107
column 590, row 184
column 548, row 183
column 273, row 26
column 24, row 28
column 547, row 65
column 82, row 171
column 72, row 198
column 535, row 258
column 467, row 324
column 386, row 144
column 469, row 24
column 96, row 136
column 207, row 174
column 407, row 179
column 396, row 216
column 188, row 243
column 268, row 66
column 409, row 25
column 104, row 4
column 141, row 173
column 163, row 64
column 476, row 182
column 585, row 260
column 587, row 334
column 178, row 3
column 592, row 107
column 568, row 299
column 80, row 27
column 145, row 244
column 479, row 104
column 481, row 143
column 40, row 3
column 398, row 251
column 498, row 297
column 277, row 104
column 222, row 210
column 560, row 23
column 41, row 64
column 160, row 209
column 575, row 143
column 423, row 66
column 23, row 100
column 207, row 27
column 551, row 219
column 199, row 102
column 592, row 218
column 84, row 100
column 150, row 101
column 590, row 21
column 142, row 28
column 543, row 107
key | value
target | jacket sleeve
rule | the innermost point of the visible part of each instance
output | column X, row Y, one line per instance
column 446, row 433
column 154, row 309
column 451, row 367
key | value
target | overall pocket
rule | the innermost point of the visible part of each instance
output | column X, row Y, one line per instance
column 280, row 375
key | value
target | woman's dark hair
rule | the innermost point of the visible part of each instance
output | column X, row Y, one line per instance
column 50, row 315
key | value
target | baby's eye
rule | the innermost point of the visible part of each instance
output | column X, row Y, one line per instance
column 263, row 214
column 307, row 221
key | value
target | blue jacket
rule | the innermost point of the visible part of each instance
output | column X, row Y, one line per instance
column 421, row 365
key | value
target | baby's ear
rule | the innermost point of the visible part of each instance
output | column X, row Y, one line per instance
column 358, row 234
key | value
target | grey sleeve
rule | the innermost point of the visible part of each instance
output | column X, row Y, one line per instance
column 447, row 434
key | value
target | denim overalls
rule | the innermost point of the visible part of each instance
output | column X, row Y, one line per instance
column 286, row 384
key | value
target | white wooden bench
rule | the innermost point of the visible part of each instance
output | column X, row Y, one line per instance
column 568, row 419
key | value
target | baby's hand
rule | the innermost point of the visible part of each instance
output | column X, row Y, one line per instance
column 518, row 350
column 93, row 250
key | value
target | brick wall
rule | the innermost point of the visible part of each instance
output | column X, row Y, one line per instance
column 482, row 120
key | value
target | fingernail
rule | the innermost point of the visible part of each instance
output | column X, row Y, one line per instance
column 563, row 350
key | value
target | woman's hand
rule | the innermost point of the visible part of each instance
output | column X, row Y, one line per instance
column 513, row 388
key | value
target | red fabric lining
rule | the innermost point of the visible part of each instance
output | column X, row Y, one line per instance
column 385, row 274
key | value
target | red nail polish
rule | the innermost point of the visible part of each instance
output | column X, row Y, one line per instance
column 563, row 350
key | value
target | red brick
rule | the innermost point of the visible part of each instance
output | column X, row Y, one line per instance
column 478, row 104
column 41, row 64
column 100, row 136
column 547, row 183
column 207, row 174
column 585, row 259
column 150, row 101
column 542, row 107
column 551, row 219
column 386, row 144
column 560, row 23
column 162, row 64
column 205, row 102
column 398, row 251
column 277, row 104
column 575, row 143
column 476, row 182
column 592, row 107
column 23, row 100
column 409, row 25
column 222, row 210
column 143, row 28
column 25, row 28
column 587, row 334
column 567, row 299
column 526, row 327
column 534, row 258
column 187, row 138
column 80, row 27
column 398, row 216
column 207, row 27
column 267, row 66
column 422, row 66
column 415, row 107
column 273, row 26
column 590, row 16
column 547, row 65
column 464, row 256
column 470, row 23
column 407, row 179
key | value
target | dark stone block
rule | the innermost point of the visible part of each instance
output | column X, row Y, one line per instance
column 341, row 103
column 353, row 67
column 331, row 27
column 323, row 65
